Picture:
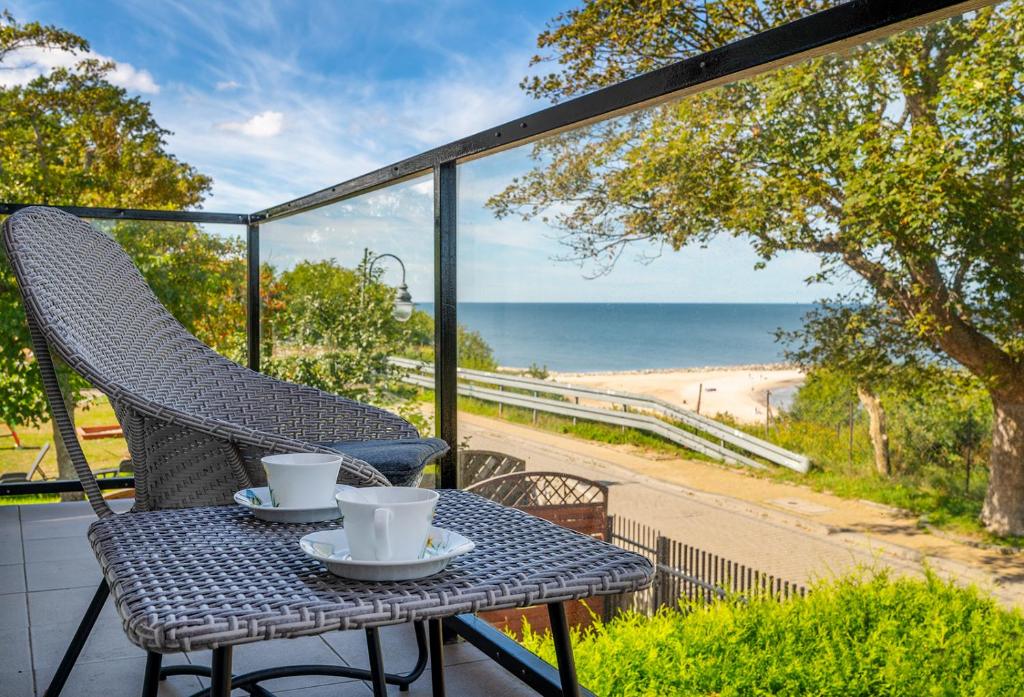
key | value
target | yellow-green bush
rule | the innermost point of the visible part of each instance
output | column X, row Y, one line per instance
column 859, row 635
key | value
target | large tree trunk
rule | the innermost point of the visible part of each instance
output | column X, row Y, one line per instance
column 1003, row 513
column 878, row 430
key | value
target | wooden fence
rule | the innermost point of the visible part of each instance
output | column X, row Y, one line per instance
column 686, row 573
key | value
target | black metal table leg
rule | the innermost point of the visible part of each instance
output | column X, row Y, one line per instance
column 78, row 641
column 380, row 688
column 436, row 631
column 151, row 681
column 220, row 672
column 563, row 650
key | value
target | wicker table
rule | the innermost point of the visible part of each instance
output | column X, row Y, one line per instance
column 211, row 578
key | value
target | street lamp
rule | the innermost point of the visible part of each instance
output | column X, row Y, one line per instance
column 403, row 299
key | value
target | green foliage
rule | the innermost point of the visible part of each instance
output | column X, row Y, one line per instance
column 199, row 276
column 540, row 372
column 854, row 636
column 896, row 163
column 334, row 330
column 72, row 138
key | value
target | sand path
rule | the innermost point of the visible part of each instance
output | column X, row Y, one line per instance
column 784, row 529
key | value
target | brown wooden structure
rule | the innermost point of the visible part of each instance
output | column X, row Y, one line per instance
column 572, row 502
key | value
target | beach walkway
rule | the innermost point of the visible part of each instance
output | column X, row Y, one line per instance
column 783, row 529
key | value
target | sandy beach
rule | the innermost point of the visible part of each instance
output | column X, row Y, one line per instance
column 739, row 391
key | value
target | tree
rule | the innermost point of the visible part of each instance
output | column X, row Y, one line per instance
column 70, row 137
column 334, row 330
column 870, row 346
column 898, row 162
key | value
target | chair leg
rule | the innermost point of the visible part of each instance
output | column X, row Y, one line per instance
column 380, row 688
column 563, row 650
column 151, row 681
column 78, row 641
column 220, row 672
column 436, row 658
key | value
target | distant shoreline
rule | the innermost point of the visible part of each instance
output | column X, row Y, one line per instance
column 665, row 371
column 742, row 391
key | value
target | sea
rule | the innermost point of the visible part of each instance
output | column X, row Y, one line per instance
column 595, row 337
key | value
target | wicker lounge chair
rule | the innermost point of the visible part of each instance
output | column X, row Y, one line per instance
column 196, row 423
column 185, row 409
column 181, row 567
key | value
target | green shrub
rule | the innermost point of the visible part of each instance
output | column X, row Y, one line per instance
column 859, row 635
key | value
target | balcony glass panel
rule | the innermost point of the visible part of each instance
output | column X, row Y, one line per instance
column 338, row 310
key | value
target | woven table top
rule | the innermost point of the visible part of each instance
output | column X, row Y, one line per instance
column 198, row 578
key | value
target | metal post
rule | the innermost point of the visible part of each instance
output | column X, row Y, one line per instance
column 436, row 657
column 151, row 679
column 252, row 309
column 220, row 672
column 563, row 650
column 446, row 356
column 379, row 686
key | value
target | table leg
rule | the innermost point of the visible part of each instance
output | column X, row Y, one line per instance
column 436, row 657
column 380, row 688
column 220, row 672
column 151, row 681
column 563, row 650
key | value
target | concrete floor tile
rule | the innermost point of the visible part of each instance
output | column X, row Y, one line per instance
column 13, row 611
column 73, row 573
column 16, row 683
column 65, row 606
column 106, row 642
column 12, row 578
column 14, row 650
column 120, row 678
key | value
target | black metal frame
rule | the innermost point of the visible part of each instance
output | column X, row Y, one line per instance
column 836, row 28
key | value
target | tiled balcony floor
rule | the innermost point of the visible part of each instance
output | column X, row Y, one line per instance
column 48, row 575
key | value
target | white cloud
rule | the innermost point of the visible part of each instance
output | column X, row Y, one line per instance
column 266, row 124
column 29, row 63
column 226, row 85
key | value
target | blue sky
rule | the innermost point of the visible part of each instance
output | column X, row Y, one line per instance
column 276, row 99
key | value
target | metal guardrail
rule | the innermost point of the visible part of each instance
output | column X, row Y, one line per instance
column 710, row 440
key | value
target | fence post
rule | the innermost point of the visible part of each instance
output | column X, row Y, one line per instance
column 611, row 602
column 661, row 565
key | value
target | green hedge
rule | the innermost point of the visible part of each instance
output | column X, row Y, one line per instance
column 859, row 635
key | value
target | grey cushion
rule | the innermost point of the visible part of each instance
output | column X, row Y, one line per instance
column 401, row 460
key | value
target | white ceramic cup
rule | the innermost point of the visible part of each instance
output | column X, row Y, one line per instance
column 302, row 480
column 387, row 523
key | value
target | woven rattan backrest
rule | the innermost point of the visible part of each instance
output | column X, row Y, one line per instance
column 97, row 312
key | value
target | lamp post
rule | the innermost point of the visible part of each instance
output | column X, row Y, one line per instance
column 403, row 299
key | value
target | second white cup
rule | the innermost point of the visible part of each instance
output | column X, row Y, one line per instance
column 302, row 480
column 387, row 523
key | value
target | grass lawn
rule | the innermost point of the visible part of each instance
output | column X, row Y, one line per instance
column 106, row 452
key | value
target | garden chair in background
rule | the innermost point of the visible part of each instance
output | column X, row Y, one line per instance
column 478, row 465
column 8, row 477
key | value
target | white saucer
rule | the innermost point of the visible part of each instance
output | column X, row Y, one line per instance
column 331, row 548
column 276, row 514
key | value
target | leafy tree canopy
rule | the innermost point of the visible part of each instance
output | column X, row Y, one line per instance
column 897, row 163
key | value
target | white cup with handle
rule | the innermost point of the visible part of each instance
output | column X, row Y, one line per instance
column 302, row 480
column 387, row 523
